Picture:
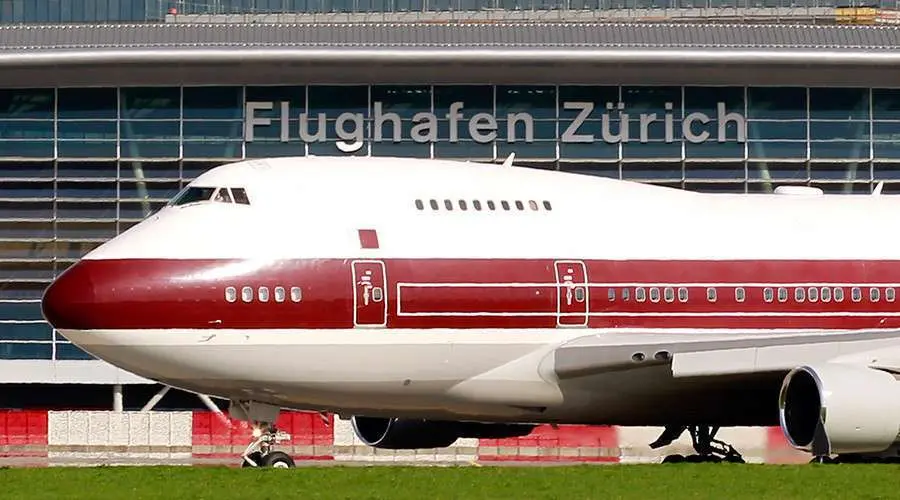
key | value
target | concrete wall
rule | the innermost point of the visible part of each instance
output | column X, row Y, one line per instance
column 105, row 437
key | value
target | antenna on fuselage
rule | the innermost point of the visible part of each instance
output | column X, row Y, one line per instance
column 509, row 159
column 878, row 188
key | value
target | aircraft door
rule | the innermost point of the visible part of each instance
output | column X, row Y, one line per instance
column 369, row 294
column 572, row 293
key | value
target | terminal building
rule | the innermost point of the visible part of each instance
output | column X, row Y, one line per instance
column 109, row 107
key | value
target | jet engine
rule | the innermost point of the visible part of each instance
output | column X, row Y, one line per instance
column 840, row 409
column 396, row 433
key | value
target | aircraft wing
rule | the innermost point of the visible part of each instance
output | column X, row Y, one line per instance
column 699, row 354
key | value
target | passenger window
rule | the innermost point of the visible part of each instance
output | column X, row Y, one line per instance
column 448, row 204
column 420, row 205
column 669, row 294
column 782, row 294
column 434, row 204
column 297, row 295
column 711, row 294
column 504, row 204
column 739, row 294
column 532, row 205
column 230, row 294
column 889, row 294
column 768, row 294
column 611, row 294
column 856, row 294
column 799, row 294
column 654, row 294
column 547, row 206
column 639, row 294
column 826, row 294
column 813, row 294
column 476, row 204
column 222, row 196
column 626, row 294
column 247, row 294
column 240, row 196
column 838, row 294
column 874, row 294
column 682, row 294
column 462, row 205
column 279, row 294
column 263, row 294
column 491, row 205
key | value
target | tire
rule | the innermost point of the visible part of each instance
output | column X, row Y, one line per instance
column 256, row 457
column 278, row 460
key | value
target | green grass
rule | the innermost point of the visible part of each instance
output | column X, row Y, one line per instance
column 719, row 481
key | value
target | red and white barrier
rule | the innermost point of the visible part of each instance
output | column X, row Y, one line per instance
column 105, row 437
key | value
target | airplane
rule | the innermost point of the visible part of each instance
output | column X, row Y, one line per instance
column 431, row 300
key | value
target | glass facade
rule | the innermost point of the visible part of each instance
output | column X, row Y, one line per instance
column 80, row 165
column 68, row 11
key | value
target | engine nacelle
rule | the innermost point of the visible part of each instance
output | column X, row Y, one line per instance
column 406, row 434
column 833, row 409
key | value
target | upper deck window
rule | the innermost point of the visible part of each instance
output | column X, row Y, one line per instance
column 193, row 194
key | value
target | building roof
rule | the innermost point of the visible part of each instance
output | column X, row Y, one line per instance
column 421, row 44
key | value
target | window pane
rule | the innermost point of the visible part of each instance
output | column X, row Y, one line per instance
column 154, row 130
column 204, row 130
column 143, row 103
column 25, row 351
column 88, row 130
column 213, row 102
column 26, row 103
column 405, row 101
column 89, row 103
column 26, row 130
column 537, row 101
column 776, row 102
column 838, row 104
column 19, row 311
column 886, row 104
column 795, row 130
column 87, row 149
column 25, row 331
column 65, row 350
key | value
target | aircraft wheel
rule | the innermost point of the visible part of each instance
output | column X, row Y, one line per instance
column 278, row 460
column 673, row 459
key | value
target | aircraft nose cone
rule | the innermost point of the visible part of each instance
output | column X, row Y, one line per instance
column 68, row 302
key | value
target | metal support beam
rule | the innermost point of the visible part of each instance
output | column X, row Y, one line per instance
column 215, row 409
column 117, row 398
column 155, row 399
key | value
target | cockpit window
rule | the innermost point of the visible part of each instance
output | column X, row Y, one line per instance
column 222, row 196
column 193, row 194
column 240, row 196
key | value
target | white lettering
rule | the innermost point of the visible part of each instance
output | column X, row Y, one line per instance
column 454, row 116
column 688, row 131
column 483, row 122
column 605, row 132
column 320, row 136
column 512, row 119
column 670, row 124
column 379, row 123
column 353, row 139
column 251, row 120
column 646, row 120
column 285, row 115
column 738, row 119
column 570, row 134
column 425, row 128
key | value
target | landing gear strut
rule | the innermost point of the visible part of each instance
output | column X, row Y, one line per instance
column 703, row 438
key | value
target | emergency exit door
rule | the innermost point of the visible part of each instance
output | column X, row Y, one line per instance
column 369, row 294
column 572, row 293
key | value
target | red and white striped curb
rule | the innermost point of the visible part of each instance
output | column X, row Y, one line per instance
column 186, row 437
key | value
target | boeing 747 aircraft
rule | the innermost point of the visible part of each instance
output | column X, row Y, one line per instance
column 431, row 300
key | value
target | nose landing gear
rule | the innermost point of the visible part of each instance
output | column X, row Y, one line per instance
column 260, row 453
